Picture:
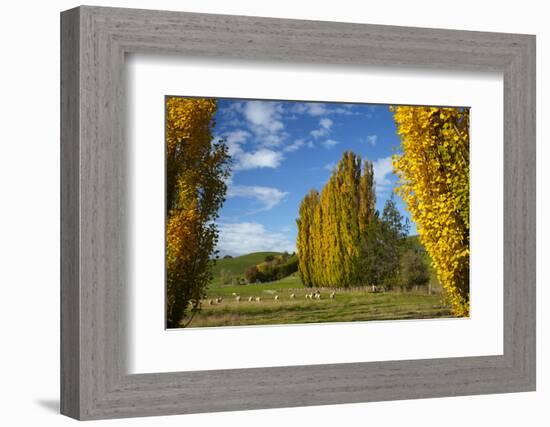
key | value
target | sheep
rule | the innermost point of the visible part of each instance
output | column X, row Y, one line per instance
column 210, row 302
column 332, row 294
column 292, row 296
column 249, row 299
column 276, row 297
column 238, row 298
column 309, row 296
column 318, row 296
column 219, row 300
column 258, row 299
column 234, row 294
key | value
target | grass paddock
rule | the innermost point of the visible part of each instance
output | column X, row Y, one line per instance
column 356, row 304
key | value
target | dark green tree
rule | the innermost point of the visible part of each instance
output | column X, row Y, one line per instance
column 394, row 220
column 413, row 269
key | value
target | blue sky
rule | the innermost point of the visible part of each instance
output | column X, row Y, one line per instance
column 282, row 149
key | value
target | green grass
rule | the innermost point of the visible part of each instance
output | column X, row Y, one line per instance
column 356, row 304
column 348, row 305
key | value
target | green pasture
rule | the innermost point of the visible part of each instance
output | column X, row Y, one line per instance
column 357, row 304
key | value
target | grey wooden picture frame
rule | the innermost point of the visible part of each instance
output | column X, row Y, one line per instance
column 94, row 381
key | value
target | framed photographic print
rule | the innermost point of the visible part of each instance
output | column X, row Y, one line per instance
column 262, row 213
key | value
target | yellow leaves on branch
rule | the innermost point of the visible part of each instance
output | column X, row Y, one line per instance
column 434, row 172
column 196, row 170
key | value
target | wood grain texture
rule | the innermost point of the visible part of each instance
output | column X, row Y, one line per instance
column 94, row 270
column 70, row 220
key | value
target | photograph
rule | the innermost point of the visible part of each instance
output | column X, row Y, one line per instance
column 297, row 212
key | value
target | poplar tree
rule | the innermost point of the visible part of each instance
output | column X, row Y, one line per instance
column 434, row 172
column 196, row 170
column 305, row 238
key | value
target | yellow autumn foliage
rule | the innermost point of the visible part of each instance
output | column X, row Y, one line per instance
column 434, row 172
column 196, row 169
column 332, row 224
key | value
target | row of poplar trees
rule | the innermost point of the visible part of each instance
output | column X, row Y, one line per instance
column 341, row 240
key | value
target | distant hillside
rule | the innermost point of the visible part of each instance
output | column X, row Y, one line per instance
column 238, row 265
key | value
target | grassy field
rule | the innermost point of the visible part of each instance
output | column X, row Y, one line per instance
column 348, row 305
column 356, row 304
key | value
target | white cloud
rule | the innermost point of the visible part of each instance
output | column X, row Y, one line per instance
column 234, row 139
column 236, row 136
column 383, row 168
column 315, row 109
column 246, row 237
column 263, row 158
column 371, row 139
column 296, row 145
column 265, row 121
column 242, row 160
column 263, row 114
column 269, row 197
column 317, row 133
column 325, row 125
column 329, row 143
column 298, row 108
column 345, row 109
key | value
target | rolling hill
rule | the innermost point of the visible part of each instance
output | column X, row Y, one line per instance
column 237, row 265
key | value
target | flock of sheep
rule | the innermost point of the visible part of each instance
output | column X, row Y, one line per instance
column 238, row 298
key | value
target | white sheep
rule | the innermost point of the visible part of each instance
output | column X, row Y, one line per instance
column 276, row 297
column 332, row 294
column 238, row 298
column 292, row 296
column 250, row 299
column 258, row 299
column 210, row 302
column 219, row 300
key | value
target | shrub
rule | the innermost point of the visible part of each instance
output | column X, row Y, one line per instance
column 252, row 274
column 225, row 276
column 413, row 269
column 271, row 271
